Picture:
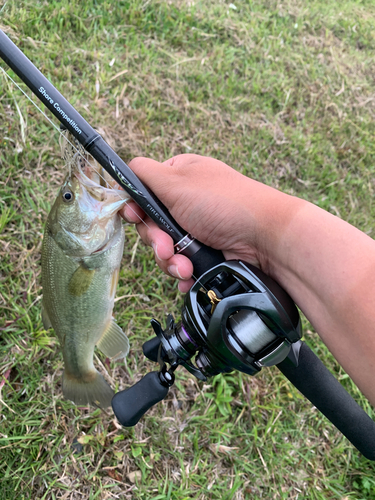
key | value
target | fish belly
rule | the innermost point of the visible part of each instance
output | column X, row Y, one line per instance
column 78, row 299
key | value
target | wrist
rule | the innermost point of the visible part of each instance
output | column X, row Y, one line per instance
column 274, row 213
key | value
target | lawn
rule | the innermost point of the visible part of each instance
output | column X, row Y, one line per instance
column 284, row 92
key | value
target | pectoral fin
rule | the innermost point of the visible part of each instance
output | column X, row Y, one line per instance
column 114, row 343
column 80, row 281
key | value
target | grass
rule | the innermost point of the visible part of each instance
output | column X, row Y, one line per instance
column 282, row 91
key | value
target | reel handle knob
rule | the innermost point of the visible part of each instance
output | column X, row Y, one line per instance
column 130, row 405
column 151, row 349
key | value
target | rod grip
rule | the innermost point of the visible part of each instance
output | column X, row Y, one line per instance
column 205, row 259
column 325, row 392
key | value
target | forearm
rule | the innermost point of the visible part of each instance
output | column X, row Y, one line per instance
column 327, row 266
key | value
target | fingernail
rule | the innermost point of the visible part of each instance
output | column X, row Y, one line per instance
column 155, row 249
column 173, row 271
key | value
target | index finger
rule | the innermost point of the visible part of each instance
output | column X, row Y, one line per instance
column 132, row 213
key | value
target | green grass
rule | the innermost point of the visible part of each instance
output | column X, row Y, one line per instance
column 282, row 91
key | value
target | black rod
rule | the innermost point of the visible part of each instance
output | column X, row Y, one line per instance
column 325, row 392
column 87, row 136
column 310, row 377
column 203, row 257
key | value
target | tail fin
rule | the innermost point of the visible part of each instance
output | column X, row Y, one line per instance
column 93, row 390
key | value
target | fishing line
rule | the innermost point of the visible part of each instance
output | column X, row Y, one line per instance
column 67, row 140
column 57, row 128
column 202, row 256
column 79, row 153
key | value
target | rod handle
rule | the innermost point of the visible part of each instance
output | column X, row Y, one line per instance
column 325, row 392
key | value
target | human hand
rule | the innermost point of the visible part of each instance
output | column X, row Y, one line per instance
column 213, row 202
column 312, row 254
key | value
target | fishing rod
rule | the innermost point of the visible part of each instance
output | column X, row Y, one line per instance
column 202, row 257
column 233, row 318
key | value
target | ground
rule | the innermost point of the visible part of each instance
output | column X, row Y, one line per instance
column 284, row 92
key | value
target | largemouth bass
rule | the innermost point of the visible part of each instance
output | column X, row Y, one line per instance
column 82, row 249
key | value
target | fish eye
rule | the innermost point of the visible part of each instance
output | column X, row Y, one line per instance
column 67, row 196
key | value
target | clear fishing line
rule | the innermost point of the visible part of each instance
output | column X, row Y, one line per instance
column 56, row 127
column 77, row 150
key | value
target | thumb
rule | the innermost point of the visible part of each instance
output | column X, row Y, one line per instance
column 157, row 176
column 177, row 180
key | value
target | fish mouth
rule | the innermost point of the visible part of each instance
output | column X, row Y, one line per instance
column 101, row 249
column 84, row 166
column 112, row 198
column 96, row 178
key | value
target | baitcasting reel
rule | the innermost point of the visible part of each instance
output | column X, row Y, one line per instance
column 237, row 318
column 234, row 318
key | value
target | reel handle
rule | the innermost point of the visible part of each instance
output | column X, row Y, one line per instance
column 130, row 405
column 151, row 349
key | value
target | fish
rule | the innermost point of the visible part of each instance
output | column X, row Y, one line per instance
column 83, row 244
